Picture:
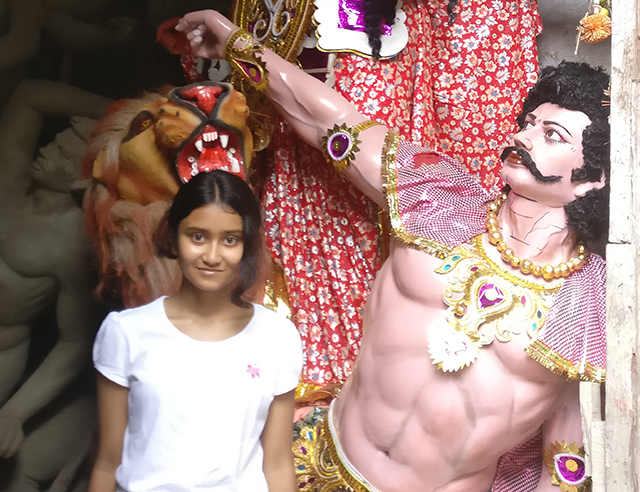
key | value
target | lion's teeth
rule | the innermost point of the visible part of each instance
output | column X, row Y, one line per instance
column 224, row 141
column 235, row 165
column 210, row 136
column 199, row 145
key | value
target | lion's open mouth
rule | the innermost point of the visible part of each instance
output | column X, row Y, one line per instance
column 216, row 146
column 212, row 149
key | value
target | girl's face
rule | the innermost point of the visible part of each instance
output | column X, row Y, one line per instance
column 210, row 247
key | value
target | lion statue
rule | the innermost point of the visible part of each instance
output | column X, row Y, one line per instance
column 138, row 156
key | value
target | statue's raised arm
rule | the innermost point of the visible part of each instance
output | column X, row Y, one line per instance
column 309, row 106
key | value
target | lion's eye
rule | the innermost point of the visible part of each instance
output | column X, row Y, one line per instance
column 142, row 121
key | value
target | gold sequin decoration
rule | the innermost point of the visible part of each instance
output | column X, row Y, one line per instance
column 484, row 304
column 317, row 465
column 390, row 184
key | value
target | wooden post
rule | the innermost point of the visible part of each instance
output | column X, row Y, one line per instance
column 622, row 400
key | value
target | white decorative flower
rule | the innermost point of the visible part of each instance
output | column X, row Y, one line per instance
column 453, row 350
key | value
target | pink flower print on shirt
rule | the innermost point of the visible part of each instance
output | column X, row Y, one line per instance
column 254, row 371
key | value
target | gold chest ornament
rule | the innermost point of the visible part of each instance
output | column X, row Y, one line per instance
column 484, row 303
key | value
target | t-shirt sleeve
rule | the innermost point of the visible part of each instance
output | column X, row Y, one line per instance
column 111, row 352
column 291, row 354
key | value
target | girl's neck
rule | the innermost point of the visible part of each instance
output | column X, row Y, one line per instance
column 206, row 315
column 204, row 303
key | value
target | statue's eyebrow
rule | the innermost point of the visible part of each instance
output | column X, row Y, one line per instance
column 548, row 122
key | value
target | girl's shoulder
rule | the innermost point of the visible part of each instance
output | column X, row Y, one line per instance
column 273, row 325
column 132, row 319
column 270, row 317
column 153, row 309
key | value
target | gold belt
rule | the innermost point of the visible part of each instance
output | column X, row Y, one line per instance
column 318, row 465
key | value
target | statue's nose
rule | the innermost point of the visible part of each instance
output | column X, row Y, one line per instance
column 204, row 97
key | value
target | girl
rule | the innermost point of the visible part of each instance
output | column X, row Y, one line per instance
column 195, row 390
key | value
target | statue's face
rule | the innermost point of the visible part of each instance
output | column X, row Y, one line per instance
column 552, row 136
column 57, row 165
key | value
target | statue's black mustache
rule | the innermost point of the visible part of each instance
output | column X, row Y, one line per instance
column 528, row 162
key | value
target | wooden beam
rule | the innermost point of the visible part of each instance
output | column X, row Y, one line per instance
column 622, row 400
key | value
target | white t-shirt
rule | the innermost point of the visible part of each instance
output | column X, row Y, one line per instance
column 196, row 409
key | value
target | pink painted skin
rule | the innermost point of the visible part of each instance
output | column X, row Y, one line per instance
column 402, row 423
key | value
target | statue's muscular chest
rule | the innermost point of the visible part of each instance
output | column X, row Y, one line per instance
column 415, row 277
column 29, row 244
column 470, row 303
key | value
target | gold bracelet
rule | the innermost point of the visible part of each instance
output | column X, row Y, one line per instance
column 243, row 59
column 341, row 143
column 567, row 467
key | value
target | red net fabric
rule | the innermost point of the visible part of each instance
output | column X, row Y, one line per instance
column 575, row 326
column 436, row 199
column 519, row 469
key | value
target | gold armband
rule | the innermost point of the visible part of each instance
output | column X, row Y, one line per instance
column 341, row 143
column 243, row 59
column 567, row 467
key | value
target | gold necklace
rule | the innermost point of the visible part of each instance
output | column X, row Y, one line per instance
column 548, row 272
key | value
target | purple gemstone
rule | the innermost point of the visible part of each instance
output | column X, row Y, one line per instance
column 339, row 145
column 523, row 300
column 474, row 268
column 251, row 71
column 571, row 468
column 490, row 295
column 303, row 449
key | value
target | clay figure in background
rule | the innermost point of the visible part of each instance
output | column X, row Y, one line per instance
column 488, row 310
column 45, row 260
column 82, row 26
column 20, row 24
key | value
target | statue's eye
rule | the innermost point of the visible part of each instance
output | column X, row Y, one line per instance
column 142, row 121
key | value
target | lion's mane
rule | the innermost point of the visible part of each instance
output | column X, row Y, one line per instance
column 122, row 231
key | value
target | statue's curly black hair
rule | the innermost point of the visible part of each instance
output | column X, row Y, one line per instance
column 378, row 11
column 580, row 87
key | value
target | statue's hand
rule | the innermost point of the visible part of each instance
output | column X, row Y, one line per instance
column 207, row 32
column 11, row 436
